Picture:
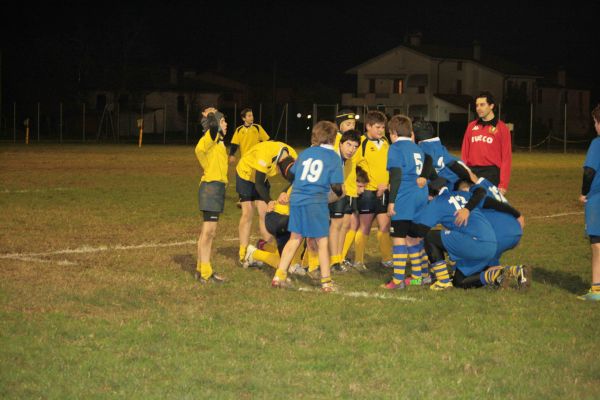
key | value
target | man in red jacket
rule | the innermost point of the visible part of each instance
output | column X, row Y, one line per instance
column 486, row 147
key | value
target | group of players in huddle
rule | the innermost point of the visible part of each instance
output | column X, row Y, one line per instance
column 428, row 205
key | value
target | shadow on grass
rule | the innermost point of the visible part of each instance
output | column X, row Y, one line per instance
column 186, row 262
column 564, row 280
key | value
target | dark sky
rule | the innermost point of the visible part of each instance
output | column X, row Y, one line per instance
column 308, row 40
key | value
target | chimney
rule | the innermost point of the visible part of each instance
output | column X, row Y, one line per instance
column 561, row 77
column 173, row 75
column 477, row 50
column 414, row 39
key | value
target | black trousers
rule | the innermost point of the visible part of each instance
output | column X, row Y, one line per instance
column 490, row 172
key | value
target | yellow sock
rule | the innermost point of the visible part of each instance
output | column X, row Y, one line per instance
column 282, row 275
column 205, row 269
column 385, row 245
column 360, row 242
column 242, row 252
column 313, row 260
column 335, row 259
column 267, row 257
column 270, row 246
column 348, row 240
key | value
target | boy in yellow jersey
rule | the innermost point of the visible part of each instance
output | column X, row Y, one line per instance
column 341, row 211
column 259, row 163
column 212, row 156
column 246, row 135
column 372, row 204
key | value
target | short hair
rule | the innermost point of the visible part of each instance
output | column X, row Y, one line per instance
column 489, row 97
column 323, row 133
column 401, row 125
column 245, row 111
column 352, row 135
column 375, row 117
column 361, row 175
column 596, row 113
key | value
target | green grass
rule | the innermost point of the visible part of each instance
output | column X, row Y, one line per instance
column 134, row 324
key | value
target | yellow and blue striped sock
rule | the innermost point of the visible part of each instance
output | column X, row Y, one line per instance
column 489, row 276
column 399, row 256
column 512, row 269
column 441, row 271
column 424, row 261
column 415, row 261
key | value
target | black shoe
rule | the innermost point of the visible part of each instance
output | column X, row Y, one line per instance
column 214, row 278
column 340, row 268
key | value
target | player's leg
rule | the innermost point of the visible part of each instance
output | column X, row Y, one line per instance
column 400, row 255
column 594, row 292
column 245, row 226
column 383, row 238
column 261, row 207
column 323, row 250
column 336, row 215
column 204, row 271
column 436, row 253
column 350, row 235
column 414, row 249
column 286, row 258
column 361, row 239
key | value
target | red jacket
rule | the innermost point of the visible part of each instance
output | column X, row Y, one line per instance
column 485, row 145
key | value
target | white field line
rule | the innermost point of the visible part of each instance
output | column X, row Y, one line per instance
column 58, row 189
column 34, row 257
column 365, row 295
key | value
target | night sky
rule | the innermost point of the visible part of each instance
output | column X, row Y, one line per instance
column 50, row 47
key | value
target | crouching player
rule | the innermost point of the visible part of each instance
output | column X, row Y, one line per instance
column 212, row 155
column 408, row 195
column 317, row 171
column 471, row 245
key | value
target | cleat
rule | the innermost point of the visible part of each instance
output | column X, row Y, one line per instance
column 279, row 284
column 391, row 285
column 426, row 280
column 340, row 268
column 347, row 264
column 524, row 277
column 296, row 269
column 439, row 286
column 590, row 296
column 328, row 287
column 387, row 264
column 359, row 266
column 213, row 279
column 315, row 274
column 248, row 260
column 413, row 281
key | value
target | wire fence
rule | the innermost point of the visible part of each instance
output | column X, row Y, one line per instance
column 78, row 122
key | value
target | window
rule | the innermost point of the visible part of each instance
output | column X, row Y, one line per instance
column 371, row 85
column 458, row 86
column 539, row 96
column 421, row 89
column 459, row 66
column 180, row 103
column 399, row 86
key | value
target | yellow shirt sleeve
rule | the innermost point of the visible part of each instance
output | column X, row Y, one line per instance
column 236, row 137
column 262, row 134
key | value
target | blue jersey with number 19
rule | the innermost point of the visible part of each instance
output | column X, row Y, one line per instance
column 315, row 170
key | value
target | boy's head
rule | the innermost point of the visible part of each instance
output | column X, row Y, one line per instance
column 423, row 130
column 362, row 178
column 375, row 124
column 400, row 126
column 216, row 120
column 323, row 133
column 349, row 143
column 247, row 116
column 484, row 104
column 345, row 120
column 596, row 116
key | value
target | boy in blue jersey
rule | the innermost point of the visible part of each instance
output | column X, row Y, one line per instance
column 408, row 195
column 590, row 196
column 446, row 165
column 317, row 171
column 470, row 244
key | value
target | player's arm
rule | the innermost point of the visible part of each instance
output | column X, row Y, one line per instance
column 261, row 188
column 233, row 148
column 506, row 208
column 459, row 169
column 588, row 177
column 506, row 161
column 462, row 215
column 428, row 171
column 263, row 136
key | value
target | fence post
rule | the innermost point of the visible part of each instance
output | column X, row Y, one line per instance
column 287, row 110
column 165, row 124
column 141, row 125
column 565, row 130
column 187, row 122
column 118, row 121
column 15, row 122
column 437, row 110
column 500, row 111
column 38, row 122
column 468, row 113
column 260, row 113
column 235, row 115
column 83, row 123
column 530, row 126
column 60, row 132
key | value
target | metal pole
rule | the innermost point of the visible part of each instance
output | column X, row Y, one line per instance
column 260, row 114
column 15, row 122
column 500, row 111
column 165, row 124
column 83, row 123
column 61, row 123
column 234, row 115
column 38, row 122
column 187, row 122
column 287, row 110
column 437, row 109
column 118, row 121
column 337, row 111
column 565, row 130
column 314, row 114
column 530, row 126
column 469, row 113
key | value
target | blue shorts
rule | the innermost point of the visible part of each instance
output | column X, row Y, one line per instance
column 409, row 202
column 592, row 215
column 505, row 243
column 471, row 255
column 310, row 220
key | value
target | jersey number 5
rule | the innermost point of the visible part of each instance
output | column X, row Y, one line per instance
column 418, row 163
column 312, row 170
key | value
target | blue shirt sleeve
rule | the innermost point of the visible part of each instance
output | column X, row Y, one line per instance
column 337, row 173
column 592, row 159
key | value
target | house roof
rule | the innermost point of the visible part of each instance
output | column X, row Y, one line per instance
column 460, row 100
column 459, row 53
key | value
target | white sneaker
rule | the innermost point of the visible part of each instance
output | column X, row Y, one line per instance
column 296, row 269
column 248, row 260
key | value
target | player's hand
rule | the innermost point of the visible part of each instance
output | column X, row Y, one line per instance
column 462, row 217
column 271, row 206
column 503, row 191
column 381, row 189
column 232, row 159
column 390, row 211
column 521, row 220
column 283, row 198
column 208, row 111
column 583, row 199
column 421, row 182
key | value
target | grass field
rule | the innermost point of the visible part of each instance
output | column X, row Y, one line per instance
column 97, row 300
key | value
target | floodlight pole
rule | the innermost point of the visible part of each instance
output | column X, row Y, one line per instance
column 165, row 124
column 83, row 123
column 565, row 131
column 187, row 122
column 38, row 122
column 530, row 125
